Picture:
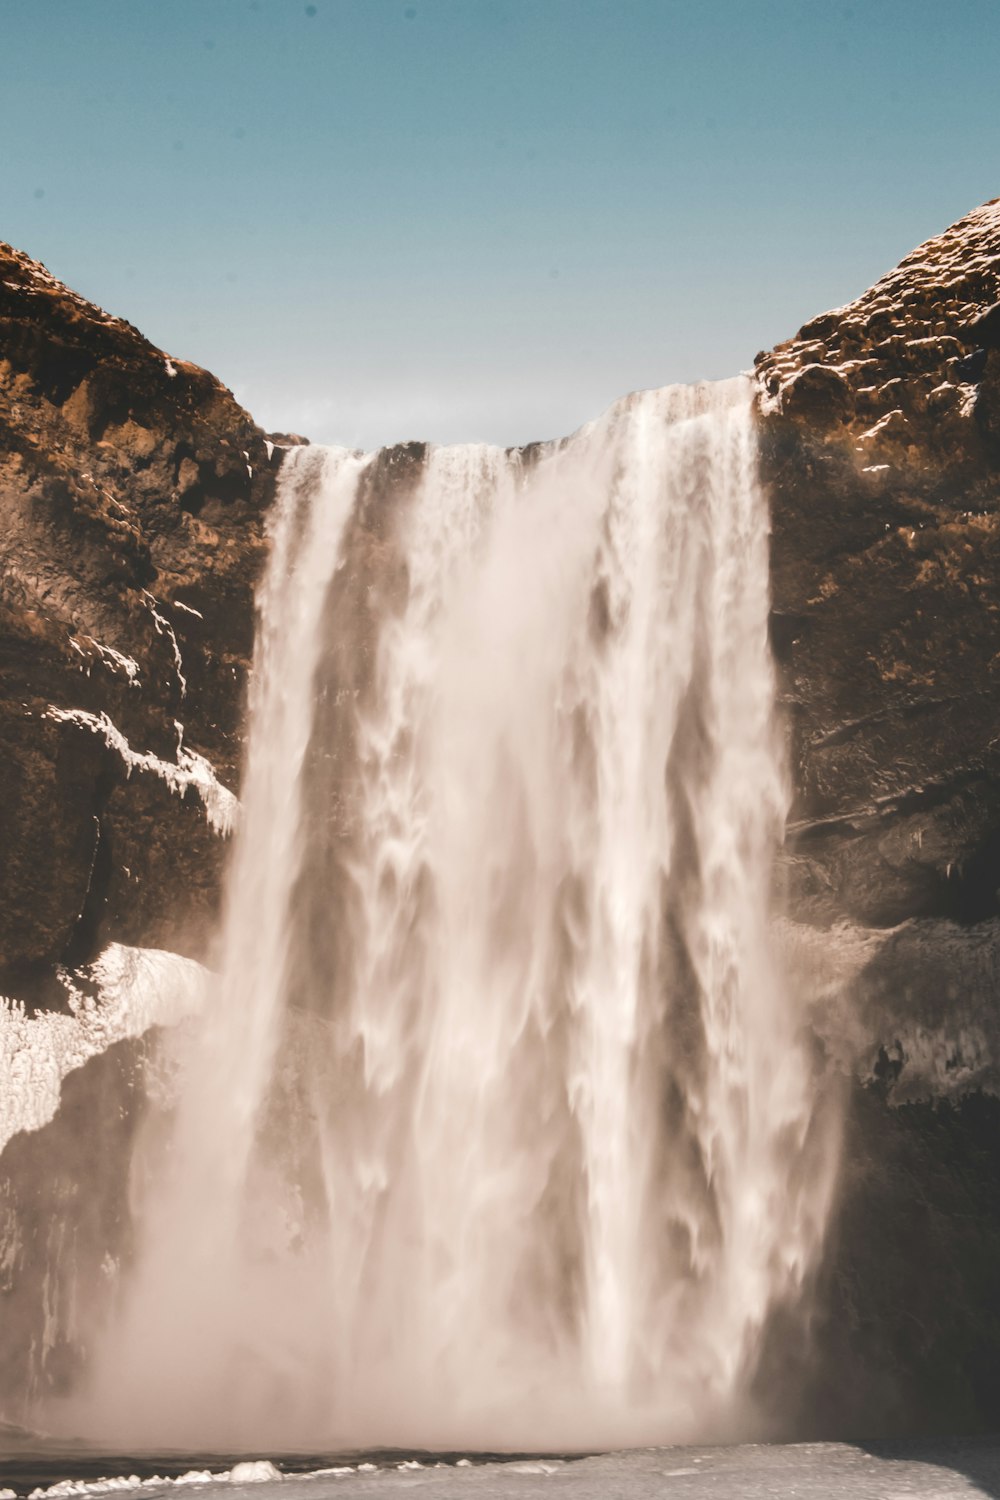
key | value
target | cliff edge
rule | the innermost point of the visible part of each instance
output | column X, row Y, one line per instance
column 880, row 431
column 132, row 489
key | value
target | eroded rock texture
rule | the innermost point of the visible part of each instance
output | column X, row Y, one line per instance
column 881, row 447
column 880, row 430
column 131, row 494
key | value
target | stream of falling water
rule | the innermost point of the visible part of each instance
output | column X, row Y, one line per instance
column 500, row 1130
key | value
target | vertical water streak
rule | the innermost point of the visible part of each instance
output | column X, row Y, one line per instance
column 501, row 1130
column 194, row 1310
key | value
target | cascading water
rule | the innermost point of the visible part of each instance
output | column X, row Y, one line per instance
column 501, row 1129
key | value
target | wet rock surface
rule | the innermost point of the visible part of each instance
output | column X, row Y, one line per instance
column 881, row 454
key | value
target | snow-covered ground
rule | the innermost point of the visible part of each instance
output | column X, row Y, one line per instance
column 809, row 1471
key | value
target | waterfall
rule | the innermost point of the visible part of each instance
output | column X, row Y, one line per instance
column 501, row 1127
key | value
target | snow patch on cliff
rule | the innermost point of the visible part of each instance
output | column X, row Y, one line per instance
column 115, row 661
column 121, row 995
column 190, row 771
column 164, row 628
column 912, row 1006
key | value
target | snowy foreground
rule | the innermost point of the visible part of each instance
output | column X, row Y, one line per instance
column 811, row 1471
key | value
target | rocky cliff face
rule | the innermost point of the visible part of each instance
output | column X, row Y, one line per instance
column 132, row 488
column 880, row 435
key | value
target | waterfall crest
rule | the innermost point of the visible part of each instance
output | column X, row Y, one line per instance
column 501, row 1128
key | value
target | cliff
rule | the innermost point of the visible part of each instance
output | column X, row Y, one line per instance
column 880, row 442
column 132, row 488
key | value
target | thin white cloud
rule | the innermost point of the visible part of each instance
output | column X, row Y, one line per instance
column 508, row 415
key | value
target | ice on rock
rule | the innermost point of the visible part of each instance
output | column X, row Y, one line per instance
column 115, row 661
column 191, row 770
column 164, row 628
column 134, row 989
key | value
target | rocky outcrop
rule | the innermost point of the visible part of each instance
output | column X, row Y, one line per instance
column 880, row 439
column 132, row 489
column 881, row 449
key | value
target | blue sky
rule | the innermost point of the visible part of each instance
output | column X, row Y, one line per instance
column 484, row 219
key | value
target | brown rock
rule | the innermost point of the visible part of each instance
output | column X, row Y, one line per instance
column 131, row 494
column 885, row 490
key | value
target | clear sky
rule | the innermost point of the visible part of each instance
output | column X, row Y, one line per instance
column 484, row 219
